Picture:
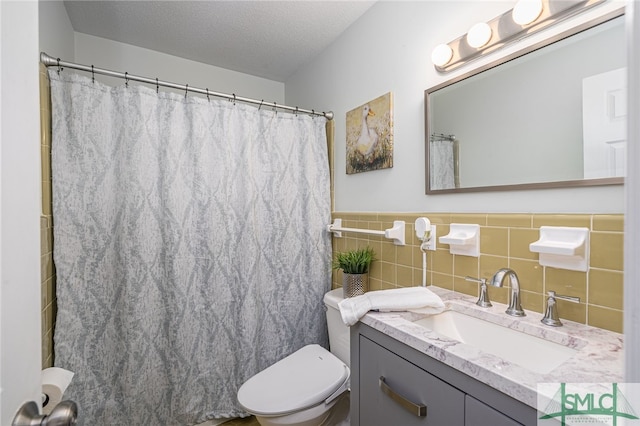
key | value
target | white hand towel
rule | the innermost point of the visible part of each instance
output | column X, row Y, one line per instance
column 415, row 299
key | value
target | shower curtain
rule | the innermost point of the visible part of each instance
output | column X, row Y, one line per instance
column 190, row 247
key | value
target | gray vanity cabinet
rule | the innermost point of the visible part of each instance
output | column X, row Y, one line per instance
column 391, row 382
column 478, row 414
column 396, row 391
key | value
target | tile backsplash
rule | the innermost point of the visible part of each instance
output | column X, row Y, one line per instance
column 48, row 275
column 504, row 242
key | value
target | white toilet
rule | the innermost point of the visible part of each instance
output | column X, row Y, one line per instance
column 310, row 386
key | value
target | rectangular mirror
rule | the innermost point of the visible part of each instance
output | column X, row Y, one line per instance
column 550, row 116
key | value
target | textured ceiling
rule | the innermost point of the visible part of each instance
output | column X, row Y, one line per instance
column 270, row 39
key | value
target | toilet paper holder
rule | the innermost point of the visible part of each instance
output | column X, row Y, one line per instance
column 63, row 414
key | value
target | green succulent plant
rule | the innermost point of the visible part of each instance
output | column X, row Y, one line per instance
column 354, row 261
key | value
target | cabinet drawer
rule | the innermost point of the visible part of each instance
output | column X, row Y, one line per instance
column 479, row 414
column 408, row 386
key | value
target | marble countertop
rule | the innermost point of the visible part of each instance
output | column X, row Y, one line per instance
column 599, row 356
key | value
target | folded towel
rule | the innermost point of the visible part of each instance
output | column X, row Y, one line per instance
column 415, row 299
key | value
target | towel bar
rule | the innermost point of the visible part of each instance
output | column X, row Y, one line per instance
column 396, row 233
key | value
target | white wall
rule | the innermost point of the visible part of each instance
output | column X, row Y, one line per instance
column 20, row 349
column 56, row 32
column 632, row 213
column 116, row 56
column 389, row 49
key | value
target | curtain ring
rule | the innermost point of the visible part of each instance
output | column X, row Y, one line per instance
column 234, row 98
column 209, row 99
column 313, row 114
column 296, row 113
column 126, row 79
column 274, row 108
column 59, row 68
column 157, row 86
column 186, row 89
column 260, row 106
column 93, row 76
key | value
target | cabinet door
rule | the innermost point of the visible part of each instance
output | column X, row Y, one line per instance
column 408, row 388
column 480, row 414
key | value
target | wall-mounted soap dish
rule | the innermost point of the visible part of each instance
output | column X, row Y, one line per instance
column 563, row 247
column 463, row 239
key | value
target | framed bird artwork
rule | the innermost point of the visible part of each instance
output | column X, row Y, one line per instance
column 370, row 136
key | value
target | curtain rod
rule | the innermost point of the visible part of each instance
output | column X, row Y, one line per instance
column 50, row 61
column 442, row 137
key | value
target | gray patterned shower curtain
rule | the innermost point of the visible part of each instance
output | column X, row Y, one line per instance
column 190, row 248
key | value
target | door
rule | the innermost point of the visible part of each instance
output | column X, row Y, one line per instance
column 604, row 120
column 20, row 346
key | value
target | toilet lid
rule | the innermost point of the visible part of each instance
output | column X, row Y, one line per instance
column 301, row 380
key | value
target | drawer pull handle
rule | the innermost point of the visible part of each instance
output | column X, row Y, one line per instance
column 417, row 409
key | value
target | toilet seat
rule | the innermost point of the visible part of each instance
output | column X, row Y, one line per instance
column 302, row 380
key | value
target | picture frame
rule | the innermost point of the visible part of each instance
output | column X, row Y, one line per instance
column 369, row 136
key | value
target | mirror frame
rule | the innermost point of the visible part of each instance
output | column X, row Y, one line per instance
column 520, row 186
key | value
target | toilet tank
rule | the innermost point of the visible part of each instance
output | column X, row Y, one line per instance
column 338, row 331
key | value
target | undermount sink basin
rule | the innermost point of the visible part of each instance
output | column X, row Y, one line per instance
column 528, row 351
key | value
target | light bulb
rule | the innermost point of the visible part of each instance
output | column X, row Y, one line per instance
column 441, row 55
column 479, row 35
column 526, row 11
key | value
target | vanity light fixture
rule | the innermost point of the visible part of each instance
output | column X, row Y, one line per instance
column 526, row 18
column 441, row 55
column 479, row 35
column 526, row 11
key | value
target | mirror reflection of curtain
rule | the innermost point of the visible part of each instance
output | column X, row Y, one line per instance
column 443, row 159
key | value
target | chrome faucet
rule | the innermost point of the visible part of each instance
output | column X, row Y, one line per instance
column 483, row 299
column 551, row 316
column 514, row 309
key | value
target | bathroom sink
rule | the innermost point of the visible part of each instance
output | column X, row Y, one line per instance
column 528, row 351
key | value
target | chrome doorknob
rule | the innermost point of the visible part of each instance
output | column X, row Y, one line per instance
column 64, row 414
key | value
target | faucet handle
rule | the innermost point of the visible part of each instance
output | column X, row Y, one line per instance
column 483, row 299
column 551, row 315
column 476, row 280
column 573, row 299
